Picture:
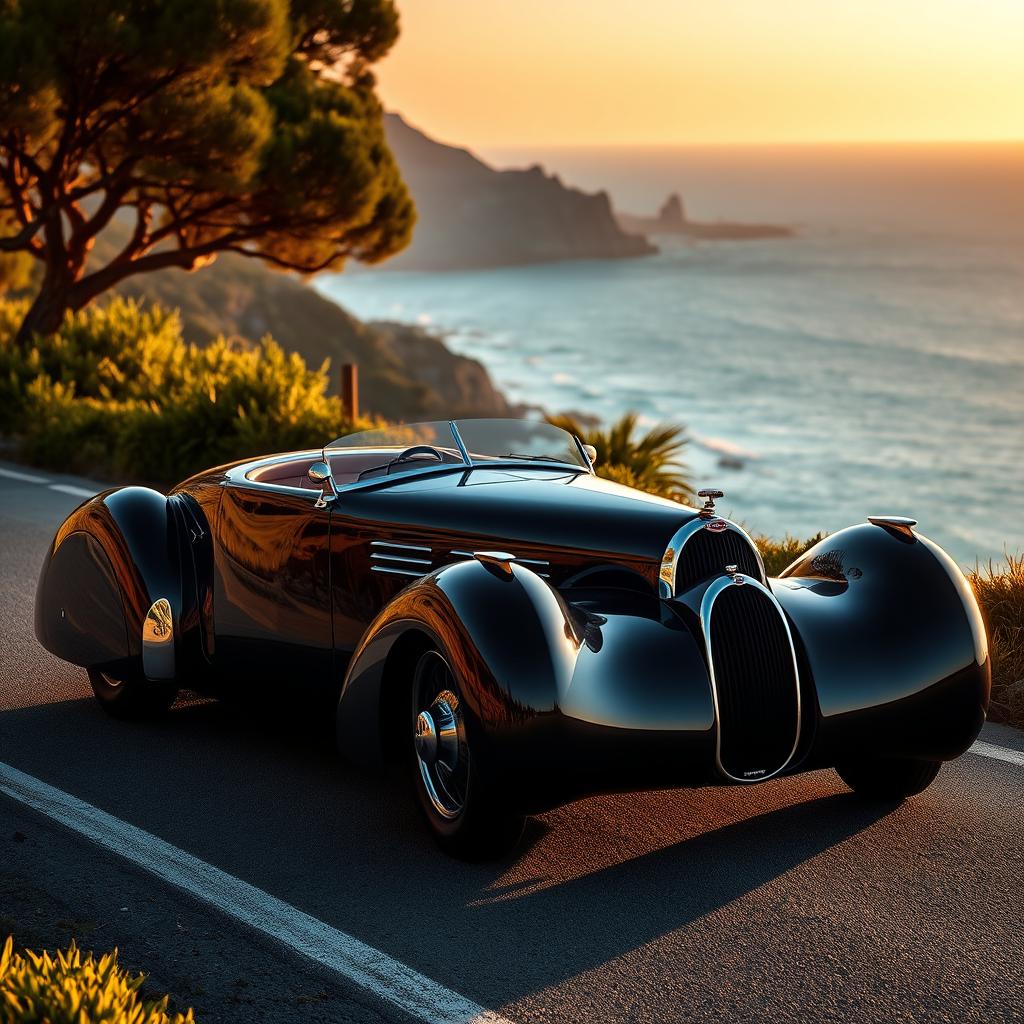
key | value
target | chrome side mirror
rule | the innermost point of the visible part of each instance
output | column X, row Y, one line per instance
column 591, row 453
column 320, row 473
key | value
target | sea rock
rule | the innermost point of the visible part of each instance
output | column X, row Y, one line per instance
column 672, row 220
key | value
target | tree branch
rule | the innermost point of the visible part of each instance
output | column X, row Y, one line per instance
column 22, row 240
column 284, row 264
column 121, row 267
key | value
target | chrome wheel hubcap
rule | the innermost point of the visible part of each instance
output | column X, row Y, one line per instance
column 439, row 736
column 426, row 738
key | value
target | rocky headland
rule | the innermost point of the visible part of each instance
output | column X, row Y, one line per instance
column 471, row 215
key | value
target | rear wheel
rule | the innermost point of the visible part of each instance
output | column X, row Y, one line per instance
column 893, row 778
column 449, row 767
column 133, row 696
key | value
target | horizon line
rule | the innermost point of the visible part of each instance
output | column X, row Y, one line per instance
column 758, row 144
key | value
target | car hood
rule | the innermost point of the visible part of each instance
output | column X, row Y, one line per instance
column 531, row 507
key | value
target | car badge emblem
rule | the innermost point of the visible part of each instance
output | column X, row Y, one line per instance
column 709, row 495
column 716, row 525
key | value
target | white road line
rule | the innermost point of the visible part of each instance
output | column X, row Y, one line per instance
column 25, row 478
column 78, row 492
column 998, row 753
column 412, row 992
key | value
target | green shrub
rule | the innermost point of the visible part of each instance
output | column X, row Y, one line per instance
column 118, row 393
column 70, row 988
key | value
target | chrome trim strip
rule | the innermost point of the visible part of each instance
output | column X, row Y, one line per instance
column 707, row 603
column 674, row 549
column 400, row 547
column 396, row 572
column 239, row 474
column 158, row 641
column 401, row 558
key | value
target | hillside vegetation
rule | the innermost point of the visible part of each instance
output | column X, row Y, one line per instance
column 117, row 393
column 404, row 372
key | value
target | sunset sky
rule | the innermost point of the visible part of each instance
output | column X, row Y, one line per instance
column 557, row 72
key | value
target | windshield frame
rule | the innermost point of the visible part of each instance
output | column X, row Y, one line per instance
column 494, row 462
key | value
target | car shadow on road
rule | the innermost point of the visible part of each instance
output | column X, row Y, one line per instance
column 262, row 794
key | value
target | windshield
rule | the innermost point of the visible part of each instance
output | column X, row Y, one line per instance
column 473, row 441
column 519, row 440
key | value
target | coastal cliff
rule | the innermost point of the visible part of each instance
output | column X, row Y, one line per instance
column 672, row 220
column 472, row 215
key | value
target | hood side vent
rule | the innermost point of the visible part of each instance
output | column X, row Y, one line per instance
column 400, row 559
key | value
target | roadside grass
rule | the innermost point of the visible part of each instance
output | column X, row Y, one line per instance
column 1000, row 590
column 70, row 987
column 777, row 554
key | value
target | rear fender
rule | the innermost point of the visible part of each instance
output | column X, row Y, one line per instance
column 894, row 641
column 110, row 592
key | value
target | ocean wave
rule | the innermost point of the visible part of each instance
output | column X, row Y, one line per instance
column 720, row 446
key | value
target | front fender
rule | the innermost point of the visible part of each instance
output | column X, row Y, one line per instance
column 112, row 560
column 509, row 636
column 610, row 691
column 894, row 641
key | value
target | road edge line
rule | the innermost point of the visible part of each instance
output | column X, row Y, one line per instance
column 997, row 753
column 369, row 968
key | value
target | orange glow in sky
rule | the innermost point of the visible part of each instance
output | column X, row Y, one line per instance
column 551, row 72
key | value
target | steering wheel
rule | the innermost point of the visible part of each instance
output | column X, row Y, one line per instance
column 416, row 449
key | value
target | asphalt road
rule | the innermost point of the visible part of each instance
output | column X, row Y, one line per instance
column 788, row 901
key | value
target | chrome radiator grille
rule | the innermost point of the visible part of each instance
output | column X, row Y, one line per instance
column 706, row 554
column 754, row 674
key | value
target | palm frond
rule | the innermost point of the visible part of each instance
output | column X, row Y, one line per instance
column 649, row 460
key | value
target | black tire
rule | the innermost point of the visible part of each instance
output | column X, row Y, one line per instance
column 466, row 817
column 888, row 778
column 133, row 697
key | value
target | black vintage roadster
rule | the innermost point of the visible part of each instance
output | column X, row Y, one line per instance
column 517, row 631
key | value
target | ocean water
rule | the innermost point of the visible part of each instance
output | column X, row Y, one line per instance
column 859, row 368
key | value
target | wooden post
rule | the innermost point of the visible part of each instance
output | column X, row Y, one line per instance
column 350, row 391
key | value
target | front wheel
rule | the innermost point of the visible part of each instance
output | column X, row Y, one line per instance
column 132, row 697
column 449, row 765
column 893, row 778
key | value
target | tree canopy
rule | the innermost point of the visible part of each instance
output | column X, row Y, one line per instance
column 248, row 126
